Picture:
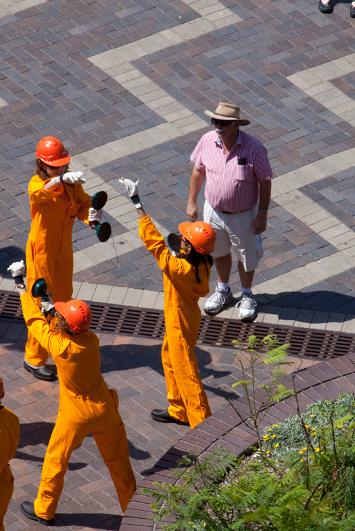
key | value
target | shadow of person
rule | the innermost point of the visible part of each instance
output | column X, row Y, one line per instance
column 88, row 520
column 173, row 459
column 130, row 356
column 288, row 303
column 34, row 434
column 137, row 453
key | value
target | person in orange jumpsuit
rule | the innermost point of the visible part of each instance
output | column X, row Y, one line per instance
column 186, row 272
column 9, row 439
column 56, row 198
column 86, row 404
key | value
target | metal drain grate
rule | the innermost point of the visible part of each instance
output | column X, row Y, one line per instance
column 141, row 322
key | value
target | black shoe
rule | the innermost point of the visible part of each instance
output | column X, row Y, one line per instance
column 326, row 9
column 28, row 510
column 162, row 415
column 44, row 372
column 352, row 11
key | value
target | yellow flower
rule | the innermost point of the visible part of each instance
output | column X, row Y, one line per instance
column 317, row 449
column 276, row 445
column 303, row 450
column 313, row 433
column 266, row 437
column 273, row 436
column 275, row 426
column 307, row 426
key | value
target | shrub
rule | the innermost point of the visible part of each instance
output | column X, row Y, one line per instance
column 301, row 478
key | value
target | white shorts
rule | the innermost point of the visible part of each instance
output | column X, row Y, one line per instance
column 235, row 230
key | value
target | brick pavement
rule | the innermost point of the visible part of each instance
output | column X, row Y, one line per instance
column 130, row 365
column 125, row 85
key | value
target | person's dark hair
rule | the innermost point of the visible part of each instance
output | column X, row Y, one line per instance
column 41, row 169
column 61, row 324
column 195, row 259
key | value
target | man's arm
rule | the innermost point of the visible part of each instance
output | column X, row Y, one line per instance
column 195, row 186
column 264, row 200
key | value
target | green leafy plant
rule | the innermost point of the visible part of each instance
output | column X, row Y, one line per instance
column 300, row 477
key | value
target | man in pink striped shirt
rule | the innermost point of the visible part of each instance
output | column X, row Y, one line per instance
column 237, row 174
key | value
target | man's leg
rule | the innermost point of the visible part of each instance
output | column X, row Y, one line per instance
column 247, row 304
column 223, row 261
column 246, row 277
column 223, row 267
column 222, row 295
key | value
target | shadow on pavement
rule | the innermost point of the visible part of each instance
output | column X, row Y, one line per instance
column 131, row 356
column 35, row 433
column 88, row 520
column 172, row 459
column 288, row 302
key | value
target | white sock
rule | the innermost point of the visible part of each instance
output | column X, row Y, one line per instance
column 246, row 292
column 222, row 286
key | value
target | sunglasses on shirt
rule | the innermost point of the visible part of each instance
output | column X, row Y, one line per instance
column 224, row 123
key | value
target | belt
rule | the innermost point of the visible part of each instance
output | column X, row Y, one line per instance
column 238, row 212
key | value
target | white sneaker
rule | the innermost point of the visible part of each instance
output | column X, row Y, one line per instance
column 247, row 309
column 217, row 301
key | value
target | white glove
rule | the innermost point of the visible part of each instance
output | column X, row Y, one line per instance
column 131, row 186
column 72, row 177
column 46, row 307
column 17, row 269
column 95, row 215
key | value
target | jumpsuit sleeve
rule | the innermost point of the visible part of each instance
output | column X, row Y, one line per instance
column 155, row 244
column 37, row 324
column 37, row 192
column 9, row 436
column 84, row 201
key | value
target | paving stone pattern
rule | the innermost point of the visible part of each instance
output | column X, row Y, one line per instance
column 124, row 84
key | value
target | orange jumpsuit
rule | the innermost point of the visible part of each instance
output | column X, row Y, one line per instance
column 185, row 392
column 9, row 439
column 86, row 405
column 49, row 252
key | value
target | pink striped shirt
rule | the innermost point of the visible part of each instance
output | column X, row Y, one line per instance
column 230, row 186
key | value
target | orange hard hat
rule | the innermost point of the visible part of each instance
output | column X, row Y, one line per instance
column 76, row 313
column 51, row 151
column 200, row 234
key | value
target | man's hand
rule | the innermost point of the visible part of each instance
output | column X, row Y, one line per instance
column 17, row 269
column 72, row 177
column 192, row 210
column 95, row 216
column 259, row 224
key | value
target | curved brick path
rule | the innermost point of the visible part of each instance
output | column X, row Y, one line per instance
column 325, row 381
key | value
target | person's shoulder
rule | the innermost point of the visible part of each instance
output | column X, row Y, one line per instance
column 208, row 139
column 210, row 136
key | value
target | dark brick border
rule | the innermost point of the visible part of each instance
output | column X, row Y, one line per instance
column 325, row 380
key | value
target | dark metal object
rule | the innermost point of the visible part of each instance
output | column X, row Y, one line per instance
column 103, row 230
